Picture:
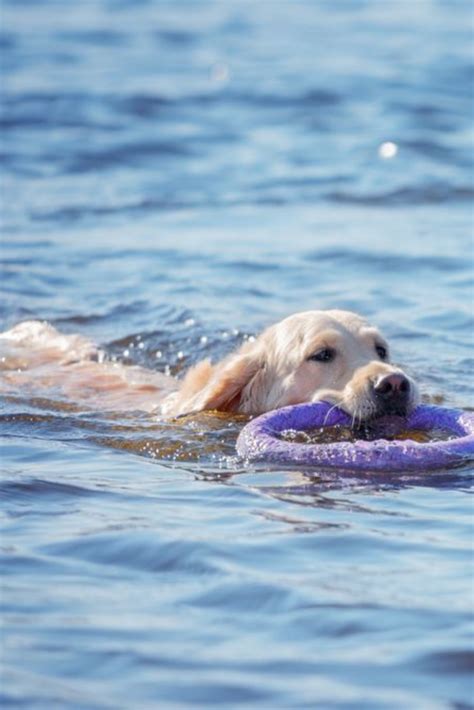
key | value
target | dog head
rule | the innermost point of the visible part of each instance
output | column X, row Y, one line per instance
column 334, row 356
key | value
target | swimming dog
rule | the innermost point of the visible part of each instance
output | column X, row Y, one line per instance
column 336, row 356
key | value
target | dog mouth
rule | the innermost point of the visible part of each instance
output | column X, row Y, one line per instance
column 384, row 417
column 370, row 420
column 393, row 396
column 396, row 408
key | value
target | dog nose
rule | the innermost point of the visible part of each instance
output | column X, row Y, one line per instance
column 393, row 386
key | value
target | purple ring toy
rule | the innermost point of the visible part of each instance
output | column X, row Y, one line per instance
column 259, row 440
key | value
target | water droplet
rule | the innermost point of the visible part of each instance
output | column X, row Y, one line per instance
column 220, row 73
column 388, row 150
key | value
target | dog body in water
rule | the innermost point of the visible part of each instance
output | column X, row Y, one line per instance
column 335, row 356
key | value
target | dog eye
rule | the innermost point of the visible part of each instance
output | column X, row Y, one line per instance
column 324, row 355
column 381, row 352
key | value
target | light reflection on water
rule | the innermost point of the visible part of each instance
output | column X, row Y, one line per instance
column 175, row 178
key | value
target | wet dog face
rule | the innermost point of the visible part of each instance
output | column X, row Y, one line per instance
column 332, row 356
column 348, row 364
column 340, row 358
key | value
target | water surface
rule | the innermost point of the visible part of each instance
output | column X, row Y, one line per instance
column 176, row 176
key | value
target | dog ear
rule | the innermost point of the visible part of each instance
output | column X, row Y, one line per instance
column 232, row 385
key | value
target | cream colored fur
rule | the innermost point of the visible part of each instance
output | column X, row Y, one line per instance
column 272, row 371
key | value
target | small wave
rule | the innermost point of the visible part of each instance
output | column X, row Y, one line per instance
column 18, row 491
column 371, row 260
column 179, row 38
column 138, row 550
column 128, row 154
column 117, row 312
column 449, row 662
column 432, row 194
column 436, row 150
column 78, row 213
column 313, row 98
column 66, row 109
column 101, row 37
column 143, row 105
column 235, row 597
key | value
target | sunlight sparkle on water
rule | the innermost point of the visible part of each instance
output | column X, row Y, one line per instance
column 388, row 150
column 220, row 73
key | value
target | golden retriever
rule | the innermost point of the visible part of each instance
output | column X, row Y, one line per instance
column 335, row 356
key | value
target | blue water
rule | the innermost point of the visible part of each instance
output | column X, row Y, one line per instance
column 175, row 176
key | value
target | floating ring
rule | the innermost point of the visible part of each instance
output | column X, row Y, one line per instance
column 261, row 440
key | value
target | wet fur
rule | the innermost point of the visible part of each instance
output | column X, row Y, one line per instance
column 274, row 370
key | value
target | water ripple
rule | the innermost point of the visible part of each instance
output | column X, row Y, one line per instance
column 177, row 176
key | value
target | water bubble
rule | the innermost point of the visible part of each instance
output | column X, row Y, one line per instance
column 388, row 150
column 203, row 339
column 158, row 354
column 220, row 73
column 190, row 322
